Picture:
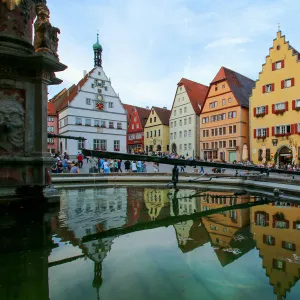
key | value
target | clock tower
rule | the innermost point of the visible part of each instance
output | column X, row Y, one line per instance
column 97, row 53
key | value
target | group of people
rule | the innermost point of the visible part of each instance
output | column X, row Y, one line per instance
column 63, row 164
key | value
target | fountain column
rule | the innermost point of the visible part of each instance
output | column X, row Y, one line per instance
column 27, row 67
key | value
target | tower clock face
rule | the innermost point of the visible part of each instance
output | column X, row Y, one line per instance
column 100, row 98
column 99, row 83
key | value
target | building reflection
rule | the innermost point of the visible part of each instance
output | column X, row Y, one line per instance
column 228, row 231
column 276, row 230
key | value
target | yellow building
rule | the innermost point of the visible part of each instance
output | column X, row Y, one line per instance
column 156, row 132
column 276, row 230
column 275, row 105
column 227, row 230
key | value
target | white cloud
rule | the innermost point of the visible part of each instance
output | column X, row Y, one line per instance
column 225, row 42
column 149, row 45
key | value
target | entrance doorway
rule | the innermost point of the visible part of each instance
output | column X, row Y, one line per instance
column 285, row 155
column 174, row 148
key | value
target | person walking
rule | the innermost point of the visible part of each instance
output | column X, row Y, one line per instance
column 120, row 166
column 201, row 170
column 139, row 166
column 127, row 166
column 80, row 159
column 106, row 167
column 134, row 167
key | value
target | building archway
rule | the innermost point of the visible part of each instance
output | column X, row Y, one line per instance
column 158, row 148
column 151, row 148
column 147, row 149
column 174, row 148
column 285, row 155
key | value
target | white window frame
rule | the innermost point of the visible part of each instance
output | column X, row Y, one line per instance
column 260, row 132
column 261, row 109
column 116, row 145
column 223, row 102
column 103, row 145
column 103, row 124
column 119, row 125
column 185, row 133
column 80, row 144
column 282, row 129
column 87, row 122
column 278, row 65
column 287, row 83
column 50, row 119
column 185, row 109
column 50, row 128
column 78, row 121
column 268, row 88
column 180, row 134
column 190, row 132
column 111, row 124
column 184, row 121
column 297, row 103
column 190, row 120
column 175, row 135
column 280, row 106
column 88, row 101
column 96, row 123
column 96, row 144
column 110, row 105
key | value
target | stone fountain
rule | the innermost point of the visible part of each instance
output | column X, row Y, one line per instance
column 27, row 66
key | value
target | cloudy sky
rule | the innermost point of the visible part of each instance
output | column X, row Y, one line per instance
column 149, row 45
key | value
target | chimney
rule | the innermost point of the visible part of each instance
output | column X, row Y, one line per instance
column 84, row 73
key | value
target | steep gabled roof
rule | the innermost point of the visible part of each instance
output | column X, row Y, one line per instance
column 196, row 92
column 69, row 95
column 129, row 109
column 163, row 114
column 240, row 85
column 51, row 109
column 143, row 114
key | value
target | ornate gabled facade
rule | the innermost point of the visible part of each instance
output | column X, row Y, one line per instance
column 275, row 105
column 136, row 125
column 52, row 127
column 225, row 117
column 185, row 118
column 156, row 132
column 276, row 228
column 93, row 110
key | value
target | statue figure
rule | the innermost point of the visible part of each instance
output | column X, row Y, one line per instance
column 46, row 36
column 12, row 115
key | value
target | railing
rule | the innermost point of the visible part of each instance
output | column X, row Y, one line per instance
column 180, row 162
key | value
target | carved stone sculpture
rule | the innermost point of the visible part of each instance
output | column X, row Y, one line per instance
column 12, row 115
column 46, row 36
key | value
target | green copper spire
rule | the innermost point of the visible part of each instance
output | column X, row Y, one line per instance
column 97, row 46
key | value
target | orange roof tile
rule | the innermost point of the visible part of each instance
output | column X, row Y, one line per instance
column 240, row 85
column 196, row 91
column 51, row 109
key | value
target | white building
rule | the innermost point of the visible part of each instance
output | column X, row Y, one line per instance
column 93, row 110
column 185, row 118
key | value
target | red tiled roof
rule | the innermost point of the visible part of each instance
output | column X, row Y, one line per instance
column 143, row 114
column 129, row 109
column 240, row 85
column 51, row 109
column 163, row 114
column 71, row 93
column 196, row 91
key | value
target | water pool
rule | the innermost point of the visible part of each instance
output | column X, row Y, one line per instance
column 152, row 243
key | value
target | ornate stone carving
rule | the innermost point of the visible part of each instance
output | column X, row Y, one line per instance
column 12, row 115
column 46, row 36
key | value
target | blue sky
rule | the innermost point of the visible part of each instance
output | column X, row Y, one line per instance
column 149, row 45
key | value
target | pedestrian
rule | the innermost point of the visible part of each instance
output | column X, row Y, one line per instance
column 106, row 167
column 127, row 166
column 201, row 170
column 144, row 167
column 134, row 167
column 139, row 166
column 75, row 169
column 80, row 159
column 155, row 167
column 182, row 169
column 116, row 166
column 120, row 166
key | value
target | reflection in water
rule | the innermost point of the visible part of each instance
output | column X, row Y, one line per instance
column 138, row 262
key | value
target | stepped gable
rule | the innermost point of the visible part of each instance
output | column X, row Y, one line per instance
column 163, row 114
column 196, row 91
column 240, row 85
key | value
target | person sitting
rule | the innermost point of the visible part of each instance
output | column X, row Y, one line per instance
column 75, row 169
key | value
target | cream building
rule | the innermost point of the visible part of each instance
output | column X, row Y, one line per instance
column 185, row 118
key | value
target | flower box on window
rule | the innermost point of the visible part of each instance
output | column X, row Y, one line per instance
column 261, row 137
column 102, row 149
column 282, row 134
column 279, row 111
column 87, row 124
column 103, row 126
column 111, row 127
column 119, row 127
column 260, row 115
column 78, row 124
column 116, row 149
